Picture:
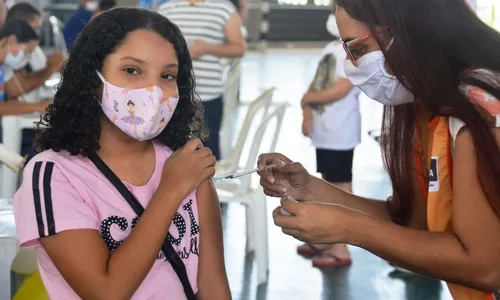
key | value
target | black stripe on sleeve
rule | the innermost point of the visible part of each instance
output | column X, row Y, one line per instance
column 36, row 198
column 47, row 196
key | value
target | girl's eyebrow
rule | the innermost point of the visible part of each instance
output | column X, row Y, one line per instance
column 140, row 61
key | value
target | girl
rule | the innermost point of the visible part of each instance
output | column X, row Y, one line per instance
column 89, row 241
column 440, row 82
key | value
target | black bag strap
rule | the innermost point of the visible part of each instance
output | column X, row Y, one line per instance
column 168, row 250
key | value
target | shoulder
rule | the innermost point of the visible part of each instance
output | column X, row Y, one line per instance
column 225, row 5
column 165, row 7
column 479, row 88
column 482, row 88
column 58, row 170
column 51, row 197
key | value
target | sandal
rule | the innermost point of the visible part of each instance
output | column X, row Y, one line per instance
column 309, row 250
column 327, row 261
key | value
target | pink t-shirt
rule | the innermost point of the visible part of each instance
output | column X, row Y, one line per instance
column 62, row 192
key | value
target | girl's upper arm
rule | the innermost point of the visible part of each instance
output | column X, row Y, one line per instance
column 474, row 220
column 212, row 277
column 49, row 211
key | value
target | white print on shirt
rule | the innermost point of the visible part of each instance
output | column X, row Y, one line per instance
column 179, row 222
column 433, row 175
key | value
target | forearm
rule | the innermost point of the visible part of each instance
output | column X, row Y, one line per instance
column 27, row 82
column 336, row 92
column 439, row 255
column 16, row 108
column 322, row 191
column 131, row 262
column 226, row 50
column 322, row 97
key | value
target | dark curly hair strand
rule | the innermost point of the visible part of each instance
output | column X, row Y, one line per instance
column 72, row 122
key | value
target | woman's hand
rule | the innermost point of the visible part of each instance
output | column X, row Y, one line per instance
column 197, row 48
column 187, row 168
column 287, row 178
column 314, row 223
column 8, row 45
column 307, row 122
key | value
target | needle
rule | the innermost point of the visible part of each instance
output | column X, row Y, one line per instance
column 242, row 173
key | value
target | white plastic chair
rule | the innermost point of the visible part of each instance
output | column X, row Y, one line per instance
column 261, row 104
column 240, row 191
column 24, row 264
column 57, row 31
column 8, row 245
column 230, row 105
column 11, row 159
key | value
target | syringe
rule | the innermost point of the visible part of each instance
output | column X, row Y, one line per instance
column 242, row 173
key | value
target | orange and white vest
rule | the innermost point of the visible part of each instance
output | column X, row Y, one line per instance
column 437, row 188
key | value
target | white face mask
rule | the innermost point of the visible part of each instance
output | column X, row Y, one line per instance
column 331, row 25
column 91, row 6
column 16, row 62
column 372, row 78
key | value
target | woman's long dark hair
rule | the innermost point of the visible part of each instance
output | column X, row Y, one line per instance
column 435, row 45
column 72, row 123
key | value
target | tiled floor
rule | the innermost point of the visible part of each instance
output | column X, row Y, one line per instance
column 292, row 277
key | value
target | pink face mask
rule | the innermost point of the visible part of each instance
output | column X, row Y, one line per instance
column 140, row 113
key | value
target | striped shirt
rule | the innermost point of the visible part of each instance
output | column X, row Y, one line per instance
column 203, row 21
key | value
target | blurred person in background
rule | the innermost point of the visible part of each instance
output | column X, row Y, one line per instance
column 332, row 120
column 17, row 83
column 104, row 5
column 74, row 25
column 9, row 47
column 39, row 67
column 439, row 81
column 212, row 29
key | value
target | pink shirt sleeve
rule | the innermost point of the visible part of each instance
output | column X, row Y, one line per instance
column 48, row 203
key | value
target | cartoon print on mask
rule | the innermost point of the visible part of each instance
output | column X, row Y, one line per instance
column 132, row 119
column 161, row 125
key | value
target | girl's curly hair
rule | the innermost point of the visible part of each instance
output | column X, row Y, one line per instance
column 72, row 122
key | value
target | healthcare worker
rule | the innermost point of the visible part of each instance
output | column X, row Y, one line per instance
column 440, row 84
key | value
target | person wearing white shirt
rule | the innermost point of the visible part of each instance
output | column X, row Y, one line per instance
column 333, row 122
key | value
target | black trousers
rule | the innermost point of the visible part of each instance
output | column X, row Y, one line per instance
column 213, row 116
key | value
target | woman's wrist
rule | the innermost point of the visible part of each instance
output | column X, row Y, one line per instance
column 310, row 191
column 356, row 222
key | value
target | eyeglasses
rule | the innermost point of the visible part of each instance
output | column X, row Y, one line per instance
column 352, row 54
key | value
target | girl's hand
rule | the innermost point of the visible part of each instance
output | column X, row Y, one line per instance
column 314, row 223
column 184, row 171
column 307, row 122
column 287, row 178
column 306, row 100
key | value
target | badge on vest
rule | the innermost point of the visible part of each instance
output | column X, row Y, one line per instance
column 433, row 175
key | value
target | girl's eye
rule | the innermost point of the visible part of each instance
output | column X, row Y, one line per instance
column 131, row 71
column 168, row 77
